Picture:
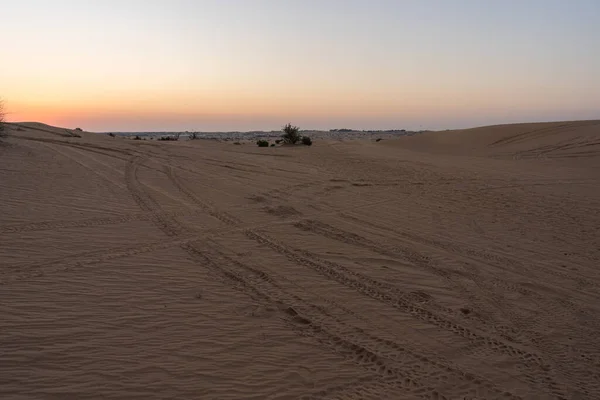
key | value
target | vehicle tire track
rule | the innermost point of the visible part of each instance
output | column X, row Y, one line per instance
column 388, row 294
column 204, row 205
column 399, row 366
column 428, row 263
column 163, row 221
column 10, row 274
column 496, row 260
column 372, row 288
column 85, row 223
column 365, row 356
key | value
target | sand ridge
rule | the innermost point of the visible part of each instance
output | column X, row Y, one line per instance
column 446, row 265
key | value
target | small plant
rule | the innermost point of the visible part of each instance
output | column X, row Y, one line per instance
column 262, row 143
column 278, row 141
column 193, row 136
column 272, row 144
column 111, row 134
column 291, row 134
column 306, row 141
column 137, row 138
column 379, row 140
column 237, row 143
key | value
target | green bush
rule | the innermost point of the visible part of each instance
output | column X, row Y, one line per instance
column 291, row 134
column 306, row 141
column 262, row 143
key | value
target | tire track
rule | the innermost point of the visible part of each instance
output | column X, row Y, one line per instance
column 373, row 289
column 163, row 221
column 316, row 328
column 123, row 155
column 204, row 205
column 351, row 238
column 397, row 365
column 430, row 263
column 370, row 387
column 85, row 223
column 382, row 292
column 10, row 274
column 497, row 260
column 323, row 333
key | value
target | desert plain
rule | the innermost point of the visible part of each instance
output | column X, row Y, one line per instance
column 445, row 265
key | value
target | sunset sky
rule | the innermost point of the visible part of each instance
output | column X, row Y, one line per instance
column 155, row 65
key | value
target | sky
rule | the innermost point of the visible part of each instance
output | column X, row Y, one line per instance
column 160, row 65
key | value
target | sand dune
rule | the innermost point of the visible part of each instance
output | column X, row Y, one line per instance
column 447, row 265
column 534, row 140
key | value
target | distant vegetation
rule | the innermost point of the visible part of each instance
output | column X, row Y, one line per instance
column 262, row 143
column 291, row 134
column 171, row 138
column 78, row 129
column 341, row 130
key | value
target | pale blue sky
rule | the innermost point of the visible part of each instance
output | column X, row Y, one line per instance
column 208, row 65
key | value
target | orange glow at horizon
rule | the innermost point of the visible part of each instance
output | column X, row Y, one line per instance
column 109, row 64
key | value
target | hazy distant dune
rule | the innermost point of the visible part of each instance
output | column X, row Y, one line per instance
column 543, row 140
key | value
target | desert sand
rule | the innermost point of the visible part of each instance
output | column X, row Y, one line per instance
column 447, row 265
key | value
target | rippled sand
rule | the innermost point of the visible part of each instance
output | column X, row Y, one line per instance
column 447, row 265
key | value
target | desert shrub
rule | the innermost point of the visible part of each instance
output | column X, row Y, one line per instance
column 78, row 129
column 306, row 141
column 72, row 133
column 111, row 134
column 237, row 143
column 291, row 134
column 193, row 136
column 272, row 144
column 137, row 138
column 278, row 141
column 262, row 143
column 379, row 140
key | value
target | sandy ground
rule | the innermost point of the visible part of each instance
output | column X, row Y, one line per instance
column 448, row 265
